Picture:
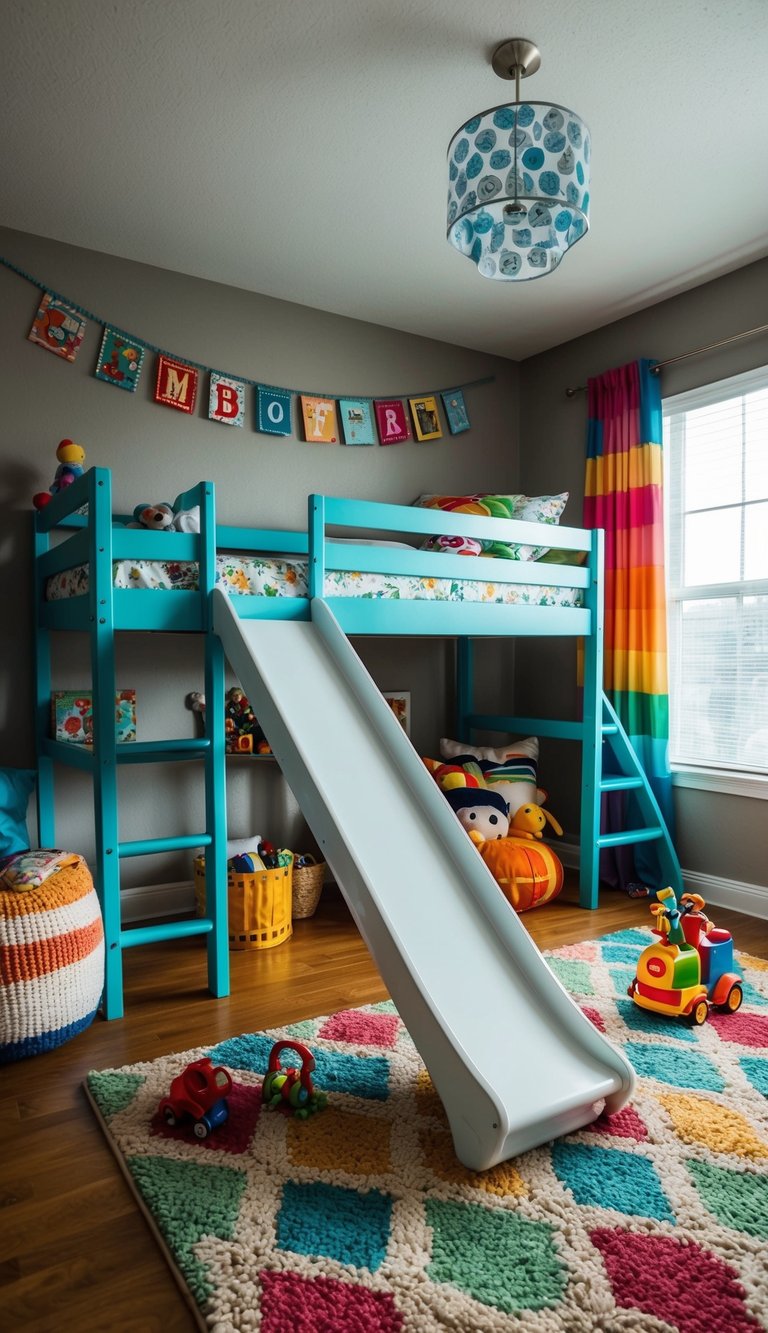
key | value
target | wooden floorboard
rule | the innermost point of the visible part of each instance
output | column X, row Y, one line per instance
column 75, row 1250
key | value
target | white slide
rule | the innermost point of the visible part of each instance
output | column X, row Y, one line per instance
column 514, row 1060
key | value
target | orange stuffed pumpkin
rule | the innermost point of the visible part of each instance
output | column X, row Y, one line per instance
column 528, row 873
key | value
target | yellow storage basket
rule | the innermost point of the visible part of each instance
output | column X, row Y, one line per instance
column 259, row 905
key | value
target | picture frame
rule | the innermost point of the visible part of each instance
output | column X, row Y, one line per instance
column 391, row 421
column 357, row 421
column 426, row 421
column 455, row 411
column 320, row 425
column 400, row 703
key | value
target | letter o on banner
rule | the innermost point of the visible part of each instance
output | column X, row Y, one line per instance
column 273, row 411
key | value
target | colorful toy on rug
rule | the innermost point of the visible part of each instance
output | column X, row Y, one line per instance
column 71, row 458
column 528, row 874
column 690, row 968
column 291, row 1090
column 198, row 1094
column 531, row 820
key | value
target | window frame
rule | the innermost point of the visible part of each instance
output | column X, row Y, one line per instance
column 731, row 780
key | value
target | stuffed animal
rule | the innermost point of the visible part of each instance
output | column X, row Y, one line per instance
column 157, row 517
column 530, row 820
column 71, row 457
column 484, row 814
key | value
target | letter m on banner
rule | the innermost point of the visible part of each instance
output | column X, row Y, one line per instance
column 176, row 384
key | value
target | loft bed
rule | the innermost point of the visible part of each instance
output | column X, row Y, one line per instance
column 95, row 574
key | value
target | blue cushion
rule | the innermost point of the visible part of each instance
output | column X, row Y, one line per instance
column 16, row 785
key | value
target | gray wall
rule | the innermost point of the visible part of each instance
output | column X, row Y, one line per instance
column 155, row 452
column 719, row 835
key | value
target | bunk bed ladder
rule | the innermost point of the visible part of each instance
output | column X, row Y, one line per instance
column 632, row 778
column 102, row 760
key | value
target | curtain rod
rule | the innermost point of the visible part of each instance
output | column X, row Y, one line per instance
column 711, row 347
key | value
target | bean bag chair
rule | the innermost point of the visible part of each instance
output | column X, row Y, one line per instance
column 528, row 873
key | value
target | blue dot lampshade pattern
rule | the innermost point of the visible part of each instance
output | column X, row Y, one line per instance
column 530, row 154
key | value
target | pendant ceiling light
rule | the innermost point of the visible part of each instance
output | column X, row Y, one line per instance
column 518, row 192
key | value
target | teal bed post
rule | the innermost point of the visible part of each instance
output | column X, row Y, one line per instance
column 101, row 616
column 592, row 722
column 216, row 905
column 464, row 688
column 316, row 546
column 46, row 821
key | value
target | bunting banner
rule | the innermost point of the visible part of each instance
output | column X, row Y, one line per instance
column 226, row 400
column 60, row 324
column 120, row 361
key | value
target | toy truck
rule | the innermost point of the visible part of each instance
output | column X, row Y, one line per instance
column 690, row 968
column 198, row 1094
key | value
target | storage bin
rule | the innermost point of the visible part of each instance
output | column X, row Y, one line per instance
column 307, row 886
column 259, row 905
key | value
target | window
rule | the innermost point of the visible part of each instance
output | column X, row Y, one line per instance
column 716, row 459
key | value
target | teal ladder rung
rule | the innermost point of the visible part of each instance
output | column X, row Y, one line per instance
column 167, row 930
column 628, row 836
column 149, row 846
column 154, row 752
column 632, row 778
column 622, row 783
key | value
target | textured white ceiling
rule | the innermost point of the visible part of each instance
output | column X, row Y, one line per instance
column 299, row 149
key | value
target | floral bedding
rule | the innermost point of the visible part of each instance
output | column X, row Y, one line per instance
column 263, row 576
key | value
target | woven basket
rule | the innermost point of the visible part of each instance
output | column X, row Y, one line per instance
column 307, row 886
column 259, row 906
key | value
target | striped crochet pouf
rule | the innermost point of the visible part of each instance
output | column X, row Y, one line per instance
column 51, row 962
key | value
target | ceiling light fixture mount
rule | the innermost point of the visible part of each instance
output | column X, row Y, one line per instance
column 518, row 192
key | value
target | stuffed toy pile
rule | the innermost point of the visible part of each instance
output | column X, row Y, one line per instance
column 527, row 871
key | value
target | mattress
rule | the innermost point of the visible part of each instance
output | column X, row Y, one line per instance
column 262, row 576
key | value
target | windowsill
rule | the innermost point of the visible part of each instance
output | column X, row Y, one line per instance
column 722, row 780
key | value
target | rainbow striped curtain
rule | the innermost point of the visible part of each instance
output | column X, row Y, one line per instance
column 624, row 495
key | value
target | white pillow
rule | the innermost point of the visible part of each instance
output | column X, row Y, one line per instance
column 510, row 770
column 529, row 747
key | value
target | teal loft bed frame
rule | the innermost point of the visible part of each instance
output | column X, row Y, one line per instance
column 98, row 537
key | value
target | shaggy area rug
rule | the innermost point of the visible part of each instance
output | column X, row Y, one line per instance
column 360, row 1220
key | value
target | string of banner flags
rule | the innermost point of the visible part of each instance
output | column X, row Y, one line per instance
column 60, row 324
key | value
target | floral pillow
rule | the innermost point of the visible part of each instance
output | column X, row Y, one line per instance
column 510, row 770
column 527, row 508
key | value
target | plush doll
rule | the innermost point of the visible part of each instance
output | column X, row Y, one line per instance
column 530, row 820
column 484, row 814
column 71, row 457
column 157, row 517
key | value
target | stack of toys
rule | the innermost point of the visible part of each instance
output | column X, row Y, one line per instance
column 243, row 733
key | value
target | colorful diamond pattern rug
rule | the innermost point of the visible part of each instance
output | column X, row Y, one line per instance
column 361, row 1220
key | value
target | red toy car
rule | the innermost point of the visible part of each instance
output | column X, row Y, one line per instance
column 199, row 1092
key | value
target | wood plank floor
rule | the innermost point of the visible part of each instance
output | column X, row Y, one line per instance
column 75, row 1251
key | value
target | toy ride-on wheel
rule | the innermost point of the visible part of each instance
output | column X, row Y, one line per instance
column 169, row 1116
column 699, row 1013
column 202, row 1129
column 733, row 1000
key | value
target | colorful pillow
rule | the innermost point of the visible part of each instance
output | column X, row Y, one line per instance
column 526, row 508
column 16, row 786
column 510, row 770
